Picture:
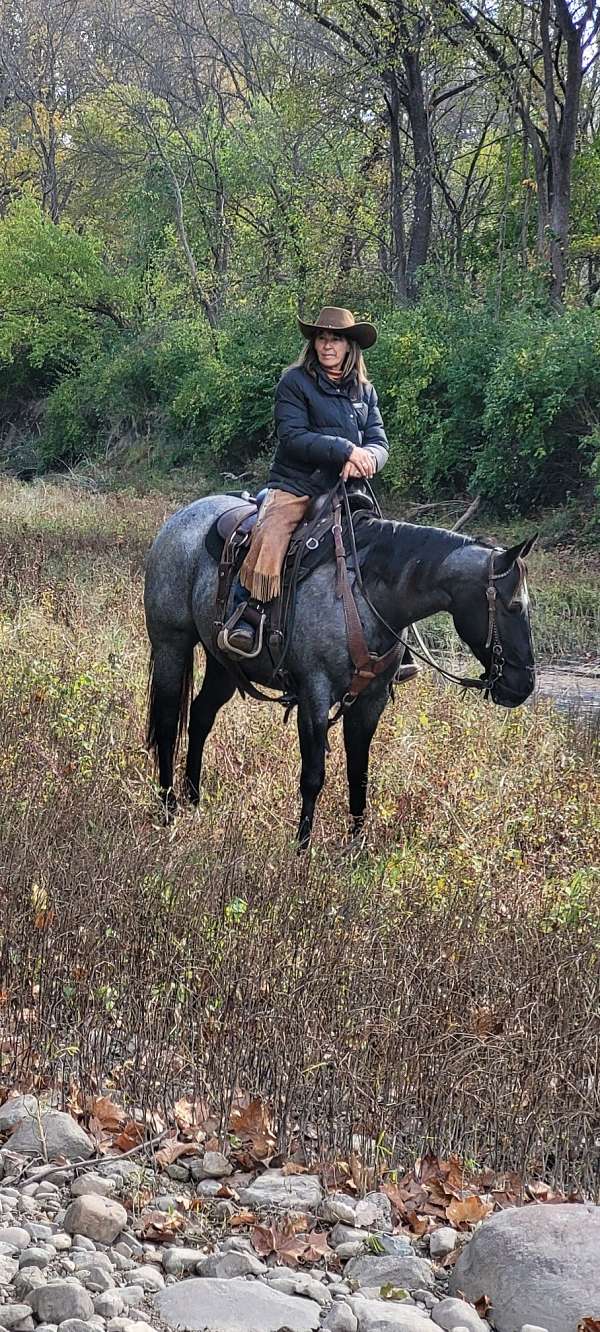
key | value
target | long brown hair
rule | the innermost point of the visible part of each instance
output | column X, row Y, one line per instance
column 353, row 365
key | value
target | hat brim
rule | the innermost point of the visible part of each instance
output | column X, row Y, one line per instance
column 364, row 334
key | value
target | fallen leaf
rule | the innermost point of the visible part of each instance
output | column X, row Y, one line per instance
column 589, row 1325
column 172, row 1149
column 161, row 1225
column 317, row 1247
column 483, row 1304
column 419, row 1225
column 467, row 1211
column 291, row 1168
column 109, row 1116
column 242, row 1219
column 281, row 1240
column 253, row 1122
column 131, row 1136
column 189, row 1115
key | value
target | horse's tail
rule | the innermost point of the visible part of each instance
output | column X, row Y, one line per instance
column 156, row 701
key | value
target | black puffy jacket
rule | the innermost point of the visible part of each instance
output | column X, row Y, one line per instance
column 318, row 423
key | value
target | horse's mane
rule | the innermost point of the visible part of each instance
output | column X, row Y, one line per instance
column 386, row 546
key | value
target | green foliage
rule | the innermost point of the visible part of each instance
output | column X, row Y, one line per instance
column 541, row 410
column 56, row 296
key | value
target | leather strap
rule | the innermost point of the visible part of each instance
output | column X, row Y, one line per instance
column 367, row 666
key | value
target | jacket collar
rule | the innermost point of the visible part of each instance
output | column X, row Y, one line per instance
column 343, row 386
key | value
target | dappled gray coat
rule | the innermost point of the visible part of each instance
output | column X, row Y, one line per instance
column 318, row 423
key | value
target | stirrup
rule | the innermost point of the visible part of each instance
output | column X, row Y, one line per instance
column 223, row 636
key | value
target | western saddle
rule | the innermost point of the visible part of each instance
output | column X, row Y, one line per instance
column 319, row 537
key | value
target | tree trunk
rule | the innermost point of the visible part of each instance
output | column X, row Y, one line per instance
column 397, row 229
column 562, row 134
column 419, row 123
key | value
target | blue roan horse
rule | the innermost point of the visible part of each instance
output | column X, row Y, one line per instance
column 409, row 573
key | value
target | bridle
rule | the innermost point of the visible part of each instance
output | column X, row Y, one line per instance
column 493, row 643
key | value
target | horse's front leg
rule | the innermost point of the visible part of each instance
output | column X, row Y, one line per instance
column 360, row 724
column 313, row 712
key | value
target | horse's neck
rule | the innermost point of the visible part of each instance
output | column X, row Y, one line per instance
column 413, row 570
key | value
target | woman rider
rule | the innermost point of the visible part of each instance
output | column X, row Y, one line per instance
column 328, row 427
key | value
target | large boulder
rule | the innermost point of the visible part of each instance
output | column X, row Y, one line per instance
column 205, row 1304
column 60, row 1136
column 537, row 1264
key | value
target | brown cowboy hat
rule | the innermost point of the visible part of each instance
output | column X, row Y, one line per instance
column 335, row 320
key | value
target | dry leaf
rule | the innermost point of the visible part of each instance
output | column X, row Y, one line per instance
column 252, row 1123
column 292, row 1168
column 161, row 1225
column 190, row 1116
column 133, row 1133
column 589, row 1325
column 419, row 1225
column 317, row 1247
column 280, row 1240
column 483, row 1305
column 467, row 1211
column 242, row 1219
column 172, row 1149
column 109, row 1116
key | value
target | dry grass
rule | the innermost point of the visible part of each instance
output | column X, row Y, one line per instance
column 442, row 989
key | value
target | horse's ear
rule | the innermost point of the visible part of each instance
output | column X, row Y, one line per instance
column 505, row 561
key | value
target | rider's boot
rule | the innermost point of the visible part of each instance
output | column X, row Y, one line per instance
column 242, row 637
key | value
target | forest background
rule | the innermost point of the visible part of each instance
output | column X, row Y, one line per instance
column 178, row 178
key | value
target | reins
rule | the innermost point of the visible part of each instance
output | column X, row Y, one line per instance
column 497, row 660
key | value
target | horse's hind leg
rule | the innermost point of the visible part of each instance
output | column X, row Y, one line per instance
column 170, row 687
column 217, row 689
column 360, row 724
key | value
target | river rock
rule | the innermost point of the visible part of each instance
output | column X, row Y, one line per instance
column 176, row 1260
column 340, row 1318
column 387, row 1316
column 148, row 1277
column 452, row 1314
column 228, row 1265
column 16, row 1235
column 62, row 1136
column 213, row 1166
column 92, row 1183
column 34, row 1257
column 14, row 1314
column 8, row 1269
column 96, row 1218
column 374, row 1212
column 204, row 1304
column 60, row 1300
column 404, row 1271
column 109, row 1304
column 537, row 1264
column 338, row 1207
column 300, row 1283
column 274, row 1189
column 442, row 1241
column 14, row 1110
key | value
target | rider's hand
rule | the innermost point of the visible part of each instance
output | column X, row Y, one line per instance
column 361, row 463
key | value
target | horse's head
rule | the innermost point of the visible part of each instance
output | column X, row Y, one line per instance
column 490, row 608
